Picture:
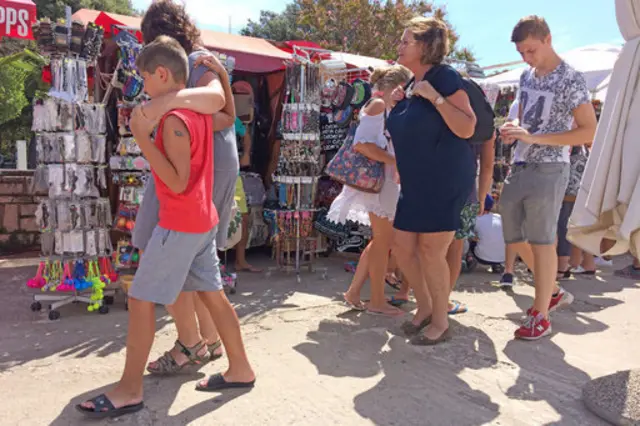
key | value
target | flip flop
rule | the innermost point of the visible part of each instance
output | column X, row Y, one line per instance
column 354, row 307
column 394, row 285
column 458, row 308
column 218, row 383
column 397, row 302
column 103, row 408
column 350, row 267
column 250, row 269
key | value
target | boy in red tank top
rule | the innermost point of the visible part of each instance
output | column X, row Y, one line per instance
column 181, row 255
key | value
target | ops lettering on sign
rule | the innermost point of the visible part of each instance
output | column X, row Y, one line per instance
column 14, row 19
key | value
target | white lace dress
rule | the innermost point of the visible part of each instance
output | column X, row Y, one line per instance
column 355, row 205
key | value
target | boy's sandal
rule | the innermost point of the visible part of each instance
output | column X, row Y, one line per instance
column 212, row 350
column 166, row 365
column 103, row 408
column 218, row 383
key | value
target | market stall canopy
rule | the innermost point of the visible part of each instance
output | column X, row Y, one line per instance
column 252, row 54
column 595, row 62
column 16, row 17
column 352, row 60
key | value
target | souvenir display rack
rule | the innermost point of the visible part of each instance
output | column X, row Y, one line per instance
column 129, row 169
column 295, row 243
column 70, row 152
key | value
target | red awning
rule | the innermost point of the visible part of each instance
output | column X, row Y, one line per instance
column 252, row 54
column 16, row 17
column 113, row 24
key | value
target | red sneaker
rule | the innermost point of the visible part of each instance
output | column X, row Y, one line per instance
column 534, row 327
column 560, row 300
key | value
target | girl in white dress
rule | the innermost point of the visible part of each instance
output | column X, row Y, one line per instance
column 375, row 210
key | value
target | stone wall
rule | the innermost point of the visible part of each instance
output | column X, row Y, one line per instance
column 18, row 229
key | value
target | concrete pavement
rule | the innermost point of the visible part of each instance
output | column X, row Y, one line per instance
column 318, row 363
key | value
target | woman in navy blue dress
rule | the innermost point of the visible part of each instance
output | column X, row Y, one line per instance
column 430, row 125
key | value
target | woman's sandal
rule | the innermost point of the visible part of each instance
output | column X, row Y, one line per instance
column 422, row 340
column 166, row 365
column 392, row 281
column 218, row 383
column 212, row 350
column 103, row 408
column 410, row 329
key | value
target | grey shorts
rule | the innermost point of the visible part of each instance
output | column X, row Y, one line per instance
column 175, row 262
column 224, row 189
column 531, row 200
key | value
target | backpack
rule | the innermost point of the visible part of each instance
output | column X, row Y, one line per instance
column 480, row 105
column 485, row 125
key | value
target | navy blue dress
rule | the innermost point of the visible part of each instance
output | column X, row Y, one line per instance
column 436, row 167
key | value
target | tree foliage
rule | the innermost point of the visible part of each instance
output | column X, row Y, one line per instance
column 275, row 26
column 19, row 84
column 54, row 9
column 366, row 27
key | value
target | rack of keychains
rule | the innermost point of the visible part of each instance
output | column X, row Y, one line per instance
column 70, row 142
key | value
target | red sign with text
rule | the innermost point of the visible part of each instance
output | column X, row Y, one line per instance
column 16, row 17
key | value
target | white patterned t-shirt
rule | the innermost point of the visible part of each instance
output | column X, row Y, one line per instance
column 547, row 105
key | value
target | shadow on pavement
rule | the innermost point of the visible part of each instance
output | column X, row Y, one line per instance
column 546, row 376
column 160, row 394
column 415, row 383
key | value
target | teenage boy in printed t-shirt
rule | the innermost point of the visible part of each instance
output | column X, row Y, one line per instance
column 551, row 96
column 181, row 255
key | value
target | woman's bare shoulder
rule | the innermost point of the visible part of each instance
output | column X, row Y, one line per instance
column 374, row 107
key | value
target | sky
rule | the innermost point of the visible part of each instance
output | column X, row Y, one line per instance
column 484, row 26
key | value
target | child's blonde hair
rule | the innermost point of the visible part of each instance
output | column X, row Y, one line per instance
column 390, row 76
column 166, row 52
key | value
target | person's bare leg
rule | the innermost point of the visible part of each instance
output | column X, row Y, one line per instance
column 575, row 259
column 433, row 249
column 544, row 273
column 184, row 317
column 588, row 261
column 563, row 263
column 378, row 259
column 510, row 259
column 405, row 247
column 454, row 261
column 225, row 317
column 241, row 248
column 403, row 293
column 142, row 329
column 352, row 295
column 207, row 327
column 525, row 251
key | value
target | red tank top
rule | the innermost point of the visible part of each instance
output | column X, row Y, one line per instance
column 192, row 211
